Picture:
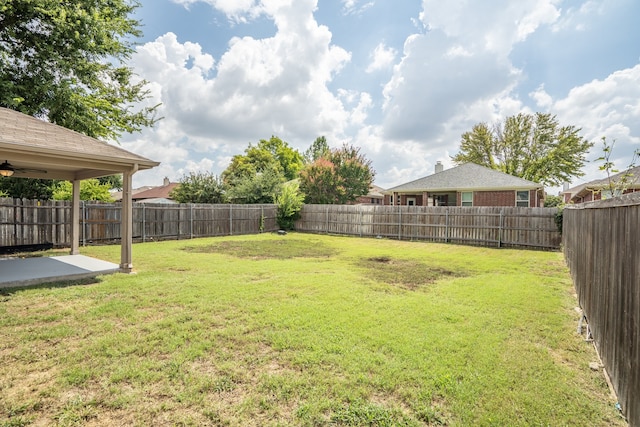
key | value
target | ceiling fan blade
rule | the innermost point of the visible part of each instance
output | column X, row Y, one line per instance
column 28, row 170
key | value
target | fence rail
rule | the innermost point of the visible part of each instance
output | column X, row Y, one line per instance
column 602, row 249
column 34, row 222
column 488, row 226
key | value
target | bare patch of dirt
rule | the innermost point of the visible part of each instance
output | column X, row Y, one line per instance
column 406, row 273
column 280, row 248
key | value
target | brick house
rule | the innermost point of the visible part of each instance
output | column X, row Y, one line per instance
column 159, row 194
column 375, row 196
column 599, row 189
column 467, row 185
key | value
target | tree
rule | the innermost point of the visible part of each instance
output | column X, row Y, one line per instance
column 339, row 178
column 260, row 188
column 268, row 155
column 289, row 201
column 90, row 189
column 533, row 147
column 551, row 201
column 200, row 188
column 319, row 148
column 65, row 62
column 27, row 188
column 113, row 181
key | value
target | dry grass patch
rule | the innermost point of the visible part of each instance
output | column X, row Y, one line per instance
column 408, row 274
column 280, row 247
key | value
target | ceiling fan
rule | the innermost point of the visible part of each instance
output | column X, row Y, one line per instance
column 7, row 169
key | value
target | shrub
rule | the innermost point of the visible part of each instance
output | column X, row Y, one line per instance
column 289, row 201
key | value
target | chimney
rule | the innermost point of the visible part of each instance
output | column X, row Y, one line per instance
column 166, row 182
column 439, row 166
column 565, row 186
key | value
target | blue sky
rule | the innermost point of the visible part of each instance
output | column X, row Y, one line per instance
column 402, row 80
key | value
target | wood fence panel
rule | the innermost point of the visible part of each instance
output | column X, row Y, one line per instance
column 33, row 222
column 489, row 226
column 602, row 248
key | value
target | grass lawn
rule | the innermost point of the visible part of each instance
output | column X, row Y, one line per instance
column 303, row 330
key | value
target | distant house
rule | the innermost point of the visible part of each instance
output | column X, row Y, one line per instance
column 600, row 189
column 159, row 194
column 467, row 185
column 373, row 197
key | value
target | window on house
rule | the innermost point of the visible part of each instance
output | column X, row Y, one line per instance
column 608, row 194
column 411, row 201
column 522, row 199
column 467, row 198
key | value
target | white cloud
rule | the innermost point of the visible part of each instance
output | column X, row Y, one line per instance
column 494, row 26
column 236, row 10
column 608, row 107
column 382, row 57
column 354, row 7
column 258, row 88
column 542, row 98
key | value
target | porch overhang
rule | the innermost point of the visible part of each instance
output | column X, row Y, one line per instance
column 38, row 149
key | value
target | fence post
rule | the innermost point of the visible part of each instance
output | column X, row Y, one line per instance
column 399, row 222
column 500, row 228
column 360, row 210
column 230, row 220
column 84, row 223
column 144, row 223
column 191, row 220
column 446, row 225
column 327, row 228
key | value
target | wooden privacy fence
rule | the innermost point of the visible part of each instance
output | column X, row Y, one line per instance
column 34, row 222
column 489, row 226
column 602, row 248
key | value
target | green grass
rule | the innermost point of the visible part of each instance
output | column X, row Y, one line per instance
column 303, row 330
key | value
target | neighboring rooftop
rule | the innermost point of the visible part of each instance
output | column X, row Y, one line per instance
column 465, row 176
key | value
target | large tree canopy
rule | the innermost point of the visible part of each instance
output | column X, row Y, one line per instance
column 200, row 188
column 65, row 62
column 273, row 155
column 341, row 176
column 533, row 147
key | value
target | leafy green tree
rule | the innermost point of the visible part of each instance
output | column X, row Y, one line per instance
column 339, row 178
column 200, row 188
column 533, row 147
column 289, row 202
column 113, row 181
column 552, row 201
column 268, row 155
column 259, row 188
column 90, row 189
column 65, row 61
column 319, row 148
column 28, row 188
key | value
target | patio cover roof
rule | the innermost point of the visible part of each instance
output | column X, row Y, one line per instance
column 50, row 151
column 39, row 149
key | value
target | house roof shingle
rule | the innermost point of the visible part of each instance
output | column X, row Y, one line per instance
column 468, row 176
column 162, row 192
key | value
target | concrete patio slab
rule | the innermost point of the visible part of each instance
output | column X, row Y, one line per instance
column 17, row 272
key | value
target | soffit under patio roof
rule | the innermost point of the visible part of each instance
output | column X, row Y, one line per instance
column 50, row 151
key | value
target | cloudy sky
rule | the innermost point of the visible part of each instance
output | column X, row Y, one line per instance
column 400, row 79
